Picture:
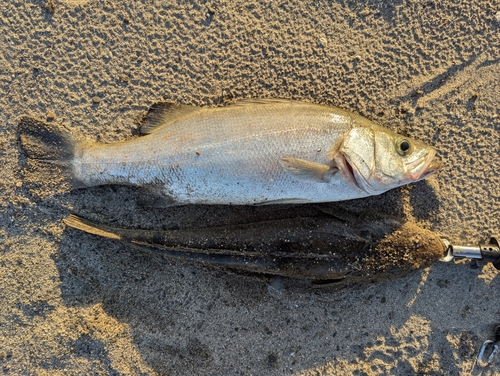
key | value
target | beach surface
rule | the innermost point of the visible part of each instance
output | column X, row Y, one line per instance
column 73, row 303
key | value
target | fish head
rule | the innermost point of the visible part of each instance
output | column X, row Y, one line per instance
column 375, row 159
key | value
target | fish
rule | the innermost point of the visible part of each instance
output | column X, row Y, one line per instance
column 324, row 249
column 252, row 152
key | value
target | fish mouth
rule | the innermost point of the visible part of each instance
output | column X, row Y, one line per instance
column 426, row 168
column 432, row 168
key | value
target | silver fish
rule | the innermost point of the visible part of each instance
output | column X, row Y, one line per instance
column 251, row 152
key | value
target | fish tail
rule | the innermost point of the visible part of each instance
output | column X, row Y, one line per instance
column 45, row 143
column 89, row 227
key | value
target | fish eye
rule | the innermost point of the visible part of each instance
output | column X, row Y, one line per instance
column 403, row 147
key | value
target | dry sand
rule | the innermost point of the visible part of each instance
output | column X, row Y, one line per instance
column 72, row 303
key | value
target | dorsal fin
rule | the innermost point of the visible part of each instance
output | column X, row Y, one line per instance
column 164, row 113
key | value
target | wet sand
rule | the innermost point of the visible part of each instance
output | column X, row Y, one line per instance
column 73, row 303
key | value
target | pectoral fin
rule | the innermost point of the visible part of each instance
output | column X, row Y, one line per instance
column 307, row 170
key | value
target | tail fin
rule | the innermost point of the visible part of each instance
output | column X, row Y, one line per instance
column 89, row 227
column 49, row 151
column 45, row 142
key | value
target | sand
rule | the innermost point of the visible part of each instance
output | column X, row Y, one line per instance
column 76, row 304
